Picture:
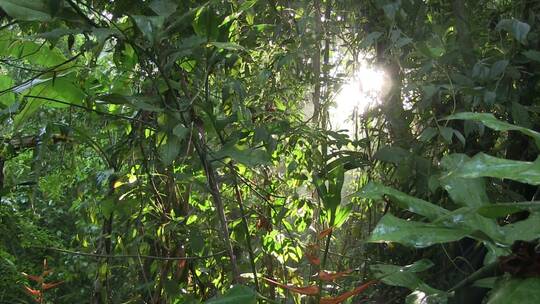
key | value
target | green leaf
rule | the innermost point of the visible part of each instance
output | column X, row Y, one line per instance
column 520, row 115
column 447, row 134
column 391, row 154
column 516, row 291
column 491, row 122
column 375, row 191
column 516, row 28
column 31, row 106
column 60, row 89
column 532, row 55
column 466, row 192
column 503, row 209
column 136, row 102
column 468, row 219
column 342, row 214
column 180, row 131
column 427, row 134
column 404, row 276
column 164, row 8
column 206, row 23
column 149, row 26
column 483, row 165
column 227, row 46
column 236, row 295
column 486, row 282
column 526, row 230
column 170, row 150
column 414, row 234
column 370, row 39
column 8, row 98
column 244, row 155
column 498, row 68
column 420, row 297
column 27, row 10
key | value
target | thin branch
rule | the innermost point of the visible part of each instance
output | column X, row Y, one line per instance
column 134, row 256
column 88, row 109
column 2, row 92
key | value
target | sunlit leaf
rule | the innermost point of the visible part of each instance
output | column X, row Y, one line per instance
column 483, row 165
column 414, row 234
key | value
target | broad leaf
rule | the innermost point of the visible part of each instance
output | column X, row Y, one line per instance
column 516, row 291
column 503, row 209
column 28, row 10
column 237, row 294
column 483, row 165
column 491, row 122
column 516, row 28
column 405, row 276
column 376, row 191
column 466, row 192
column 414, row 234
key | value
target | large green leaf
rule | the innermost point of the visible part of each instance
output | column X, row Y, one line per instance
column 468, row 218
column 243, row 154
column 483, row 165
column 28, row 10
column 503, row 209
column 150, row 26
column 491, row 122
column 516, row 28
column 466, row 192
column 236, row 295
column 36, row 53
column 31, row 106
column 60, row 89
column 8, row 98
column 391, row 154
column 414, row 234
column 376, row 191
column 405, row 276
column 527, row 230
column 516, row 291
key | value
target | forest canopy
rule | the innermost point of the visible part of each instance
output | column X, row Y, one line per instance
column 269, row 151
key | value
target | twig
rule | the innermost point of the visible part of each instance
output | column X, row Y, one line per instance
column 134, row 256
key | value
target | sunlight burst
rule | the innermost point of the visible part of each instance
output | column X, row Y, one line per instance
column 363, row 90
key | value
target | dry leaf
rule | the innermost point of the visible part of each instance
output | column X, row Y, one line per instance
column 331, row 276
column 33, row 292
column 348, row 294
column 307, row 290
column 34, row 278
column 47, row 286
column 325, row 233
column 312, row 259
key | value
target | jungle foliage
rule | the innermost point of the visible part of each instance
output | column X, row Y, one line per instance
column 160, row 151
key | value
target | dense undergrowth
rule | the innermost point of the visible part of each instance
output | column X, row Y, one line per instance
column 173, row 151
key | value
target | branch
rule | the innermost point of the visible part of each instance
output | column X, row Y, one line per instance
column 88, row 109
column 132, row 256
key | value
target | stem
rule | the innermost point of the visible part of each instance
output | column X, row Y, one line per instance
column 246, row 227
column 325, row 254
